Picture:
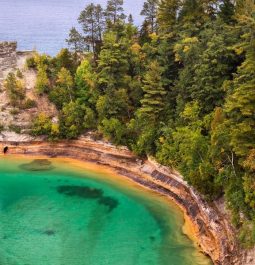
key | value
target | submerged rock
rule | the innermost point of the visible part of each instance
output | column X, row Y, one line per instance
column 81, row 191
column 89, row 193
column 49, row 232
column 109, row 202
column 38, row 165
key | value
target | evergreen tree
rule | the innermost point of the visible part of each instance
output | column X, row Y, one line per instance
column 15, row 89
column 167, row 14
column 91, row 19
column 154, row 93
column 207, row 65
column 76, row 41
column 150, row 12
column 64, row 59
column 114, row 12
column 113, row 63
column 42, row 81
column 144, row 34
column 130, row 19
column 65, row 79
column 85, row 83
column 72, row 119
column 227, row 11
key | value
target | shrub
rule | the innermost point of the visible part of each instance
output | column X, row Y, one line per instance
column 30, row 63
column 14, row 111
column 113, row 130
column 42, row 81
column 15, row 128
column 41, row 125
column 19, row 74
column 15, row 89
column 29, row 104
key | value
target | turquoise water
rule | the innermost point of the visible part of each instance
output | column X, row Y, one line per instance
column 56, row 213
column 45, row 24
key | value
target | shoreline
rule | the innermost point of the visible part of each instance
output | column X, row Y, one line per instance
column 208, row 231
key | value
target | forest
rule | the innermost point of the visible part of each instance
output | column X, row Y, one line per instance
column 180, row 87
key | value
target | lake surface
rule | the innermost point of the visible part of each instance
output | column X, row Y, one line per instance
column 45, row 24
column 58, row 213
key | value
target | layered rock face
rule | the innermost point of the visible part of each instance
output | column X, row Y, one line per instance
column 213, row 231
column 8, row 58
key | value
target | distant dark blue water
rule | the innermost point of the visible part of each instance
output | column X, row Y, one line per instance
column 44, row 24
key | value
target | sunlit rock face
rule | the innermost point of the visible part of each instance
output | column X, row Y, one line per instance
column 8, row 58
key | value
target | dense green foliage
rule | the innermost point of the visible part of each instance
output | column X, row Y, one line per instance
column 15, row 89
column 180, row 88
column 16, row 92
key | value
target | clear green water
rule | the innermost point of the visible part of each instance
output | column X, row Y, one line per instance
column 69, row 216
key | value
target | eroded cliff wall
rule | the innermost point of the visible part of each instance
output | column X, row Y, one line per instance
column 8, row 58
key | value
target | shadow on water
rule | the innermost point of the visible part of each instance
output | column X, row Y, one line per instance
column 49, row 232
column 38, row 165
column 89, row 193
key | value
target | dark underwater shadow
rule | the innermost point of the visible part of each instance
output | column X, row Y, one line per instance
column 38, row 165
column 89, row 193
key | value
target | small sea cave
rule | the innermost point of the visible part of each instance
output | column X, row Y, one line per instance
column 6, row 149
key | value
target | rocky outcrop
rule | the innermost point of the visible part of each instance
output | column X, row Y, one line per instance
column 214, row 234
column 13, row 117
column 8, row 57
column 7, row 136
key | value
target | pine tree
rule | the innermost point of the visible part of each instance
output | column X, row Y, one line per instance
column 144, row 33
column 65, row 80
column 15, row 89
column 114, row 12
column 192, row 12
column 149, row 10
column 227, row 11
column 76, row 41
column 130, row 19
column 112, row 78
column 168, row 14
column 91, row 19
column 42, row 82
column 154, row 93
column 113, row 63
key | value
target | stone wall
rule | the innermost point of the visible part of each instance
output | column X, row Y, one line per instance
column 8, row 58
